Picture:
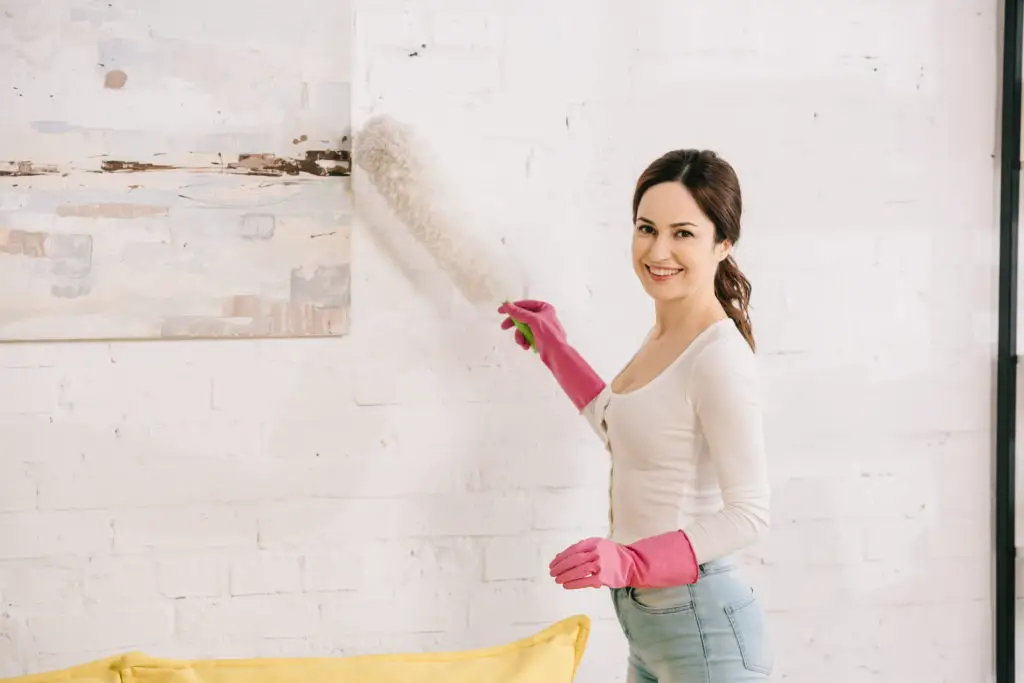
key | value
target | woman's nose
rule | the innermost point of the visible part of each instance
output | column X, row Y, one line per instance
column 660, row 250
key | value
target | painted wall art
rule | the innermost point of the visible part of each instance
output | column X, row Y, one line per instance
column 163, row 177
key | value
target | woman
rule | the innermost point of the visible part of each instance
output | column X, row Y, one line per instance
column 682, row 423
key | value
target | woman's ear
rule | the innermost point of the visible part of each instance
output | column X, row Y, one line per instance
column 723, row 249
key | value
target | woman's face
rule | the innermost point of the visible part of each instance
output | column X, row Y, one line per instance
column 674, row 249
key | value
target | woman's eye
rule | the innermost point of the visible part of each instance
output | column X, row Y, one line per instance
column 684, row 233
column 643, row 227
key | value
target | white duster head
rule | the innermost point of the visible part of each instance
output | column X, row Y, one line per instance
column 398, row 164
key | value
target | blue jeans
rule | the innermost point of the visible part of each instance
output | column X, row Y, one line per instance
column 712, row 631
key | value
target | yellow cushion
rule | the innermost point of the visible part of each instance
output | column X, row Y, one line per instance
column 549, row 656
column 100, row 671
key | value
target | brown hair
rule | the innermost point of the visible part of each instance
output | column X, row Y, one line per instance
column 716, row 189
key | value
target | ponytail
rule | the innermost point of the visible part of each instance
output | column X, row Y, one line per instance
column 733, row 291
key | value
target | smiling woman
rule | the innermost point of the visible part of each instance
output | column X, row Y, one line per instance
column 682, row 423
column 687, row 208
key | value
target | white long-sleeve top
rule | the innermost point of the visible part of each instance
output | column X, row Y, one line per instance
column 687, row 449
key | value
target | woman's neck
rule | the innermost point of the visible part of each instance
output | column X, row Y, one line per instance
column 687, row 315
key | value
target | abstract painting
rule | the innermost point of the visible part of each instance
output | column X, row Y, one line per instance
column 166, row 177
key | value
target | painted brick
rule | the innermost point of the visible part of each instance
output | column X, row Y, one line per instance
column 247, row 618
column 199, row 574
column 534, row 603
column 424, row 562
column 45, row 534
column 350, row 613
column 354, row 644
column 473, row 27
column 107, row 578
column 99, row 393
column 512, row 558
column 29, row 390
column 50, row 580
column 577, row 508
column 266, row 573
column 265, row 388
column 337, row 569
column 17, row 487
column 111, row 627
column 185, row 528
column 344, row 496
column 16, row 659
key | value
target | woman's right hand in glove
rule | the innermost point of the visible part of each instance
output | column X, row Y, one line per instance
column 541, row 318
column 577, row 379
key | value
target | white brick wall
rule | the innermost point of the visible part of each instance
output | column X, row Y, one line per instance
column 404, row 488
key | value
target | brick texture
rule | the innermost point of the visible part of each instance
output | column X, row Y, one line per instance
column 404, row 487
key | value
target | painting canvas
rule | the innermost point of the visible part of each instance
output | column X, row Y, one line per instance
column 165, row 177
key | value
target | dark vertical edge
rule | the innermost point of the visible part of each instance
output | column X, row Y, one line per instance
column 1006, row 372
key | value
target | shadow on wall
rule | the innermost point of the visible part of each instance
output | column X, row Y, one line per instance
column 417, row 495
column 498, row 441
column 388, row 234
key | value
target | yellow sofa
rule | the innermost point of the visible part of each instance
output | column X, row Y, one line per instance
column 550, row 656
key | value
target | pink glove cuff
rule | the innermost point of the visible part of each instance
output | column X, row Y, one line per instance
column 578, row 380
column 662, row 561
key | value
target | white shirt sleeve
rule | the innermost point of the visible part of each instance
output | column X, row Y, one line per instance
column 594, row 413
column 725, row 392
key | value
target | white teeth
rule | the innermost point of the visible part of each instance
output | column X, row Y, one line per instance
column 660, row 272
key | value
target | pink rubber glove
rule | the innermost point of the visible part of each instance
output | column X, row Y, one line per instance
column 577, row 379
column 656, row 562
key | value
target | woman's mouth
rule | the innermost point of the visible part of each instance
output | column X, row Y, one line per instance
column 659, row 274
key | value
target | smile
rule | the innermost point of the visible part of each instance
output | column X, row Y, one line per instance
column 662, row 274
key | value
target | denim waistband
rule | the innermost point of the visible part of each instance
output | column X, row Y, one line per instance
column 717, row 565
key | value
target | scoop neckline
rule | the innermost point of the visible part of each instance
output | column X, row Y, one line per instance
column 675, row 361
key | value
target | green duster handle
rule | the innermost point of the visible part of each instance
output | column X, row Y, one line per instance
column 527, row 332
